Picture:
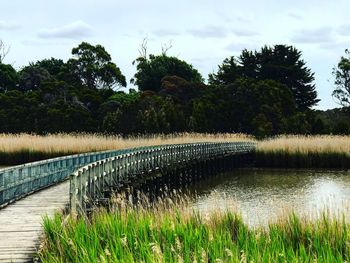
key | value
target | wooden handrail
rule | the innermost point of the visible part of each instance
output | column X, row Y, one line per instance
column 88, row 183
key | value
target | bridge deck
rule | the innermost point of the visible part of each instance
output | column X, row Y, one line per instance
column 20, row 222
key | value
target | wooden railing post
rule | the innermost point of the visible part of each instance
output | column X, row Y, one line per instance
column 91, row 180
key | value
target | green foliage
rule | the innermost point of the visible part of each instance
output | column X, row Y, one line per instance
column 181, row 90
column 8, row 77
column 263, row 93
column 262, row 126
column 166, row 236
column 298, row 124
column 280, row 63
column 335, row 121
column 342, row 80
column 53, row 66
column 341, row 127
column 247, row 105
column 95, row 68
column 150, row 71
column 32, row 76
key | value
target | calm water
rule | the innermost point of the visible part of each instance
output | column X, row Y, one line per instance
column 264, row 195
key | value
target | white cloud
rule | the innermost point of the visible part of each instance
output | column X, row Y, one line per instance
column 8, row 25
column 38, row 42
column 75, row 30
column 295, row 16
column 165, row 33
column 335, row 46
column 237, row 47
column 244, row 32
column 313, row 36
column 209, row 32
column 344, row 30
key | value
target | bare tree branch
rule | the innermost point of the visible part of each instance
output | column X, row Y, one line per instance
column 143, row 48
column 4, row 50
column 166, row 47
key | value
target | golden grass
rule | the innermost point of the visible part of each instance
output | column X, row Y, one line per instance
column 80, row 143
column 306, row 144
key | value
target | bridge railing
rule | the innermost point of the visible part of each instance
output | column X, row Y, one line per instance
column 19, row 181
column 89, row 183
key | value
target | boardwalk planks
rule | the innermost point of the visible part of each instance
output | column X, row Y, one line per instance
column 20, row 223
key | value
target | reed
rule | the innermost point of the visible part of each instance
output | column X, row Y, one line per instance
column 170, row 233
column 22, row 148
column 298, row 151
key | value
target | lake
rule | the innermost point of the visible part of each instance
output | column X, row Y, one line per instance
column 264, row 195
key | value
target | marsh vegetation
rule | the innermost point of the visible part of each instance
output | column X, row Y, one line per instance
column 167, row 231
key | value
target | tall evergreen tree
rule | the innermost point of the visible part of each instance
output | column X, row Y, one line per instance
column 279, row 63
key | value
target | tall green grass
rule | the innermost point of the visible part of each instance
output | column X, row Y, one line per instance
column 171, row 234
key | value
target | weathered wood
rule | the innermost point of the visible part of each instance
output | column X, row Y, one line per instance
column 88, row 185
column 21, row 222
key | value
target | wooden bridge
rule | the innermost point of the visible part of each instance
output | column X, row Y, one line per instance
column 92, row 177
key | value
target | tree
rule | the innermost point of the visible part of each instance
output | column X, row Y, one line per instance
column 261, row 106
column 248, row 106
column 180, row 90
column 284, row 64
column 151, row 71
column 53, row 66
column 94, row 66
column 32, row 76
column 342, row 80
column 8, row 77
column 280, row 63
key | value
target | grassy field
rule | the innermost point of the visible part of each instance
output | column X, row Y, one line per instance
column 22, row 148
column 304, row 152
column 166, row 232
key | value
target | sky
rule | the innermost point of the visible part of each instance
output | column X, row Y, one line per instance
column 201, row 32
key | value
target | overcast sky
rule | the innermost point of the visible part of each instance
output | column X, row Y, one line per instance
column 202, row 32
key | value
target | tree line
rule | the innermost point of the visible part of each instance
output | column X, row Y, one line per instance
column 263, row 92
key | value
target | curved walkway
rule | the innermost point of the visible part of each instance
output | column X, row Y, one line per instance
column 21, row 222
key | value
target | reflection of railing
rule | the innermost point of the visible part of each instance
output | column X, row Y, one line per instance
column 89, row 183
column 19, row 181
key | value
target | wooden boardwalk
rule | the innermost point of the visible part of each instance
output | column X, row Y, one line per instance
column 20, row 222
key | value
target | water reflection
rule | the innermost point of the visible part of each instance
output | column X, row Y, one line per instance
column 266, row 195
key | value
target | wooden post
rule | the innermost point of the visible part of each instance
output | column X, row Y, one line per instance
column 73, row 195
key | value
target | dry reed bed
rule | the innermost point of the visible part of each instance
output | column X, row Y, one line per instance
column 306, row 144
column 79, row 143
column 21, row 148
column 326, row 151
column 281, row 151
